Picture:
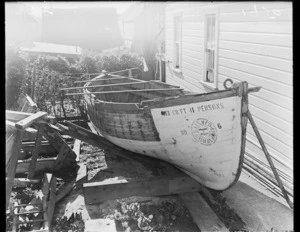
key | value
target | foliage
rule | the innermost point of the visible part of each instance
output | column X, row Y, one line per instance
column 15, row 76
column 53, row 73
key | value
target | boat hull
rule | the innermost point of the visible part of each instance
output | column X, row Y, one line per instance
column 204, row 138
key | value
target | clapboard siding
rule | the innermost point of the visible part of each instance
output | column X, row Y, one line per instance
column 192, row 25
column 192, row 61
column 183, row 83
column 268, row 73
column 259, row 49
column 282, row 89
column 257, row 16
column 263, row 27
column 269, row 96
column 252, row 7
column 193, row 40
column 266, row 61
column 255, row 45
column 284, row 40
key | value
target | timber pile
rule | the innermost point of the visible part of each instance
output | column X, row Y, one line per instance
column 28, row 136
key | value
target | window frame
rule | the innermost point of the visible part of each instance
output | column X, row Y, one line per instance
column 211, row 85
column 179, row 42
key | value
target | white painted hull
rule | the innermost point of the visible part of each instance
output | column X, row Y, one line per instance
column 203, row 135
column 214, row 165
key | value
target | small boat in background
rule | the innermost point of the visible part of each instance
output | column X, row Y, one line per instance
column 202, row 134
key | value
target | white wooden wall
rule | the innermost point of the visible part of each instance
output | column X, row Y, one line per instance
column 255, row 45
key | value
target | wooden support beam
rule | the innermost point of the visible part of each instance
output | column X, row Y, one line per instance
column 264, row 148
column 45, row 189
column 87, row 136
column 16, row 116
column 125, row 91
column 26, row 122
column 97, row 192
column 13, row 161
column 11, row 127
column 203, row 215
column 65, row 152
column 51, row 202
column 36, row 151
column 46, row 164
column 91, row 126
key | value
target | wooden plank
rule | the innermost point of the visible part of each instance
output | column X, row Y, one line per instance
column 203, row 215
column 12, row 163
column 35, row 152
column 65, row 152
column 11, row 127
column 26, row 122
column 91, row 126
column 45, row 189
column 16, row 116
column 97, row 192
column 23, row 182
column 51, row 203
column 15, row 218
column 41, row 165
column 76, row 148
column 87, row 136
column 124, row 91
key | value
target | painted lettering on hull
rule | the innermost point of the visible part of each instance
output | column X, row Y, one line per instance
column 193, row 110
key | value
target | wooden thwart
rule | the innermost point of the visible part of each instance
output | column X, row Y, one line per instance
column 125, row 91
column 97, row 192
column 111, row 78
column 108, row 85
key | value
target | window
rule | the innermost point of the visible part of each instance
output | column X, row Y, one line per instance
column 177, row 43
column 210, row 50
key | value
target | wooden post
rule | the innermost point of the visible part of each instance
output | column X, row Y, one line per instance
column 12, row 164
column 33, row 83
column 269, row 159
column 129, row 73
column 36, row 151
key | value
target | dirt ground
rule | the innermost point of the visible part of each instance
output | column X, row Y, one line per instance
column 130, row 214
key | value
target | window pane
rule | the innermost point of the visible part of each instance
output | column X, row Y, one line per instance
column 210, row 48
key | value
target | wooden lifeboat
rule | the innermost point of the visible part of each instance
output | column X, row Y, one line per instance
column 202, row 134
